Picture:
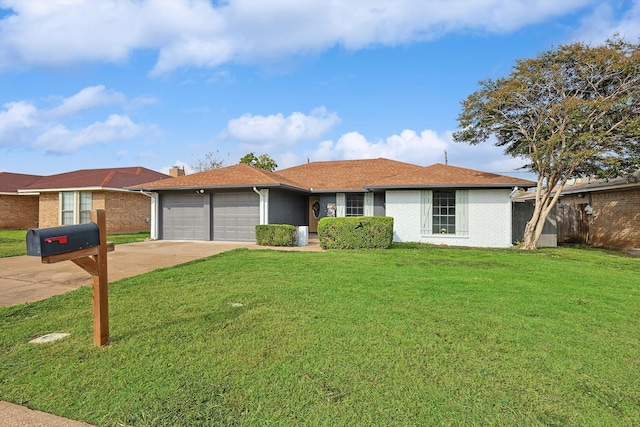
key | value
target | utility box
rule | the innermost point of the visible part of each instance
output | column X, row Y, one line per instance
column 302, row 237
column 57, row 240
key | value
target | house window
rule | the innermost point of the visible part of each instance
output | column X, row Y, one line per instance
column 444, row 212
column 67, row 204
column 354, row 204
column 75, row 207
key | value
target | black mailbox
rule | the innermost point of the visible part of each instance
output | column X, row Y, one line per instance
column 56, row 240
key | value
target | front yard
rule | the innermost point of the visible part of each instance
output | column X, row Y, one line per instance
column 414, row 335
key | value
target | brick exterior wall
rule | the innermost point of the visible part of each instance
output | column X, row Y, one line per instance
column 615, row 223
column 489, row 219
column 49, row 210
column 126, row 212
column 18, row 212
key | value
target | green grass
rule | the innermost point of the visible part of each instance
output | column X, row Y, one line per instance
column 13, row 242
column 414, row 335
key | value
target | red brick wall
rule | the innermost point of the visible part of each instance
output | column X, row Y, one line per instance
column 18, row 212
column 126, row 212
column 49, row 210
column 616, row 220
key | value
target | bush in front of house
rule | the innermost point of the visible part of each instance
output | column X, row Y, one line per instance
column 276, row 235
column 355, row 232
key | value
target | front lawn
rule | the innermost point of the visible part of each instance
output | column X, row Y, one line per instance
column 406, row 336
column 13, row 242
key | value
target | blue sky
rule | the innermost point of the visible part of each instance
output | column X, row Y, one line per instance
column 102, row 83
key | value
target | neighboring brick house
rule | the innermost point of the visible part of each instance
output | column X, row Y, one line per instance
column 438, row 204
column 17, row 210
column 602, row 213
column 68, row 198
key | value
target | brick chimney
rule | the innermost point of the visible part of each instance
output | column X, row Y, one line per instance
column 176, row 171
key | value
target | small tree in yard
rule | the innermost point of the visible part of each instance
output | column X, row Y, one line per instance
column 570, row 112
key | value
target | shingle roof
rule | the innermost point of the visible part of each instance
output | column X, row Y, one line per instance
column 11, row 182
column 346, row 175
column 585, row 185
column 240, row 175
column 439, row 175
column 92, row 178
column 339, row 176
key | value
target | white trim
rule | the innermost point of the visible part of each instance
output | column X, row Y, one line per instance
column 92, row 189
column 341, row 202
column 264, row 206
column 368, row 204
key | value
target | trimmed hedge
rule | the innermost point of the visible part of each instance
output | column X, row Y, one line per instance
column 355, row 232
column 276, row 235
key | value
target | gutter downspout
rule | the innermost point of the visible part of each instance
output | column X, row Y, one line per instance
column 263, row 207
column 154, row 214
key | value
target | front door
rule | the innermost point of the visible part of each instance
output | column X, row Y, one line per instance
column 314, row 214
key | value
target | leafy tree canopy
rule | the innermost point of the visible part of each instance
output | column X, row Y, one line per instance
column 264, row 161
column 572, row 111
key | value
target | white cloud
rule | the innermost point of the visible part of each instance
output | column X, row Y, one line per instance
column 424, row 149
column 23, row 124
column 88, row 97
column 59, row 139
column 276, row 130
column 17, row 120
column 605, row 21
column 200, row 34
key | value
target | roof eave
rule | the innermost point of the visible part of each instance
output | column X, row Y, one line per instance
column 452, row 185
column 52, row 190
column 214, row 187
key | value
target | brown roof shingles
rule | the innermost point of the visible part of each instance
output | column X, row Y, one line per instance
column 439, row 175
column 240, row 175
column 346, row 175
column 91, row 178
column 339, row 176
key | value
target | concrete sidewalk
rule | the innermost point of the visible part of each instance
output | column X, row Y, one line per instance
column 25, row 279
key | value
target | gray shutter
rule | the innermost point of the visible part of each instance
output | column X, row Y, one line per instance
column 341, row 205
column 462, row 212
column 425, row 212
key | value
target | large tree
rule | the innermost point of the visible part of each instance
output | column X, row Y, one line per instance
column 571, row 111
column 263, row 161
column 211, row 161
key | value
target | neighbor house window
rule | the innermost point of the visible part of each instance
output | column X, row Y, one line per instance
column 75, row 207
column 444, row 212
column 354, row 204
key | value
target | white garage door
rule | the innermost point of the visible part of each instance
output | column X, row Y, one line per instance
column 235, row 216
column 183, row 217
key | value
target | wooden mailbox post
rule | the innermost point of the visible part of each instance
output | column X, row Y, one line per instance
column 92, row 259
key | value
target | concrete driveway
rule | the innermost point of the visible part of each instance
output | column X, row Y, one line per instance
column 25, row 279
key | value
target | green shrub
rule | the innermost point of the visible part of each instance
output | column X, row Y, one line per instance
column 355, row 232
column 276, row 235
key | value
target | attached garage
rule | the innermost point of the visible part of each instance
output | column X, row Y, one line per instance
column 235, row 216
column 185, row 217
